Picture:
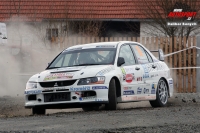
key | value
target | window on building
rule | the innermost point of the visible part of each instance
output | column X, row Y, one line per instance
column 51, row 33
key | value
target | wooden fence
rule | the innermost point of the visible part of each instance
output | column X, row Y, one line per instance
column 184, row 79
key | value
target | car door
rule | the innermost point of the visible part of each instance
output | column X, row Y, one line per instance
column 131, row 71
column 149, row 69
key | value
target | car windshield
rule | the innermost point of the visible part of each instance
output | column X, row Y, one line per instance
column 84, row 57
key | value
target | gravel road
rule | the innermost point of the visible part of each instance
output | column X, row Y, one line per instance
column 181, row 115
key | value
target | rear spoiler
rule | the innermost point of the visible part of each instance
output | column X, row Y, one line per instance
column 160, row 54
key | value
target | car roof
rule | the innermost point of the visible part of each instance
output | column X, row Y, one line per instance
column 99, row 44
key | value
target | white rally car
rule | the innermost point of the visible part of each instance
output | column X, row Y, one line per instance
column 107, row 73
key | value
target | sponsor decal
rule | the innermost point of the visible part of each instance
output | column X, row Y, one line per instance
column 129, row 70
column 60, row 88
column 106, row 70
column 129, row 98
column 33, row 92
column 153, row 86
column 129, row 78
column 146, row 91
column 70, row 49
column 146, row 75
column 47, row 89
column 123, row 71
column 153, row 89
column 145, row 68
column 130, row 92
column 139, row 78
column 139, row 90
column 55, row 88
column 82, row 88
column 127, row 88
column 58, row 76
column 171, row 83
column 99, row 99
column 87, row 98
column 99, row 87
column 154, row 75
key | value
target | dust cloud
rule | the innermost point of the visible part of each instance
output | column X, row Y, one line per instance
column 24, row 55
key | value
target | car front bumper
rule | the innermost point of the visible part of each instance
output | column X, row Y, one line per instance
column 69, row 98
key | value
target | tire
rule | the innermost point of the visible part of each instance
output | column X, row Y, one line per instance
column 112, row 98
column 38, row 111
column 161, row 95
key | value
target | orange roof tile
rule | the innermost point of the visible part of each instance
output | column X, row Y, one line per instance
column 37, row 10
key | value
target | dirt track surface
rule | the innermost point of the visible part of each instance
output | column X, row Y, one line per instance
column 181, row 115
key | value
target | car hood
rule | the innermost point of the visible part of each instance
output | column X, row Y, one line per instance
column 69, row 73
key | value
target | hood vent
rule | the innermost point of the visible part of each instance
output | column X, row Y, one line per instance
column 65, row 71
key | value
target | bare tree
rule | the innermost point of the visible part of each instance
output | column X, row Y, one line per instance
column 156, row 15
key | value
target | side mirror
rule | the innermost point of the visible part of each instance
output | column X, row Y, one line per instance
column 161, row 55
column 120, row 61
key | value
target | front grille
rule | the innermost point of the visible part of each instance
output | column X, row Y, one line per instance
column 57, row 83
column 56, row 97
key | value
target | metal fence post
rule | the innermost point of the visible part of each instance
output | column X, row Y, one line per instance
column 198, row 64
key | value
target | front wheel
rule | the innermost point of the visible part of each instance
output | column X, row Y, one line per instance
column 38, row 111
column 112, row 98
column 161, row 95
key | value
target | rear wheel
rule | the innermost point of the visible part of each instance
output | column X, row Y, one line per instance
column 161, row 95
column 38, row 111
column 112, row 98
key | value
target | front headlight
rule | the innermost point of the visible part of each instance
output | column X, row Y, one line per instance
column 31, row 85
column 92, row 80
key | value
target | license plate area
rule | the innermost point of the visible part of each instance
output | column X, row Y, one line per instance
column 57, row 97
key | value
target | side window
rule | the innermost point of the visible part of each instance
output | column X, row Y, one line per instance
column 127, row 54
column 140, row 54
column 149, row 57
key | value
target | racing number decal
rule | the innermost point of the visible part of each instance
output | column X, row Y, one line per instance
column 129, row 78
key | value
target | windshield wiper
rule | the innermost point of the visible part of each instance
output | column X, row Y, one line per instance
column 85, row 65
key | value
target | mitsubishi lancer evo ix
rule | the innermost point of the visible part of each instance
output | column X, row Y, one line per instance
column 91, row 75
